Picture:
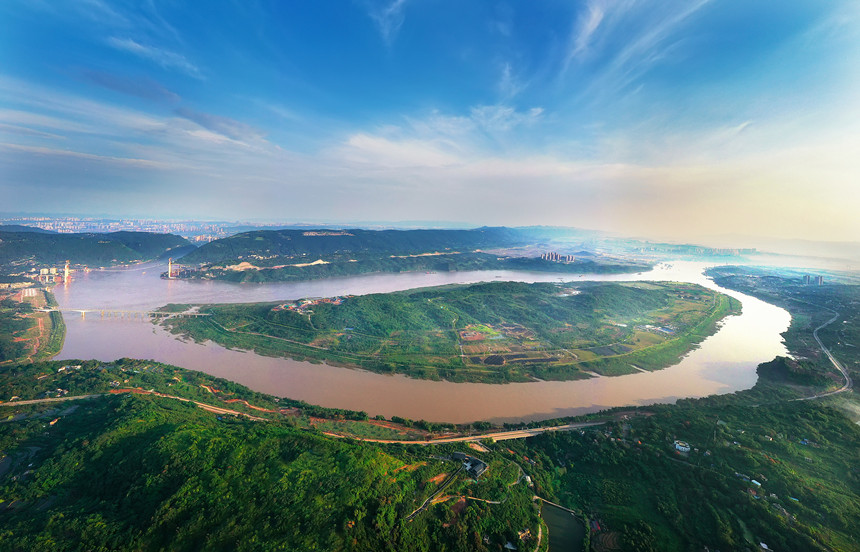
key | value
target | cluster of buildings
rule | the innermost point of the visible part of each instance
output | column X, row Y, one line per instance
column 53, row 275
column 697, row 250
column 304, row 306
column 818, row 280
column 556, row 257
column 326, row 233
column 195, row 231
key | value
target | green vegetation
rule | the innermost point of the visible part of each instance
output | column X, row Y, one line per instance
column 763, row 467
column 811, row 306
column 56, row 379
column 295, row 255
column 341, row 266
column 645, row 495
column 28, row 248
column 132, row 472
column 26, row 335
column 265, row 245
column 492, row 332
column 126, row 471
column 671, row 351
column 12, row 326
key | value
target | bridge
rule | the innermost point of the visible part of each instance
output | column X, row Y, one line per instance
column 114, row 313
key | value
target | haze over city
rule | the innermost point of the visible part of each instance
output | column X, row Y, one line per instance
column 676, row 119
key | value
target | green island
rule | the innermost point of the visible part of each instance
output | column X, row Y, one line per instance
column 490, row 332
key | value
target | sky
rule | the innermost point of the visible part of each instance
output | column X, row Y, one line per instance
column 656, row 118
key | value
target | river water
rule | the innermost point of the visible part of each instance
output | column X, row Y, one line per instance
column 723, row 363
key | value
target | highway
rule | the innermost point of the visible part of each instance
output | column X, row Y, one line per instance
column 849, row 383
column 496, row 436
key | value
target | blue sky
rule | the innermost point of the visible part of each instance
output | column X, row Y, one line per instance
column 669, row 118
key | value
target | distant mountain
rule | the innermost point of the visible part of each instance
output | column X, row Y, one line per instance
column 87, row 249
column 23, row 228
column 356, row 242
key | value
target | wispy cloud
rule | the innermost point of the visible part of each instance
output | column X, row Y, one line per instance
column 509, row 85
column 585, row 27
column 165, row 58
column 225, row 126
column 145, row 88
column 388, row 17
column 40, row 150
column 26, row 131
column 502, row 118
column 643, row 50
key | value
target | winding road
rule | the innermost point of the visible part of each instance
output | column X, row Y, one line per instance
column 849, row 383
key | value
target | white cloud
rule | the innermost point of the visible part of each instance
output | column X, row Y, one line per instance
column 509, row 85
column 165, row 58
column 39, row 150
column 502, row 118
column 389, row 18
column 585, row 27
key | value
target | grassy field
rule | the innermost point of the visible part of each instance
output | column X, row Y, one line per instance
column 495, row 332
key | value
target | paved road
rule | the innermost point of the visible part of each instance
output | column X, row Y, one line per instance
column 497, row 436
column 204, row 406
column 838, row 365
column 56, row 399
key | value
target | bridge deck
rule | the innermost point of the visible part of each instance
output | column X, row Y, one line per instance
column 118, row 312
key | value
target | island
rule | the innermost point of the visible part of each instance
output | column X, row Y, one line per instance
column 493, row 332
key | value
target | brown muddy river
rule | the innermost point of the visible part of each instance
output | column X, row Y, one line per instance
column 723, row 363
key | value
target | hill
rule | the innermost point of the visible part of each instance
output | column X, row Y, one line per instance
column 24, row 228
column 293, row 255
column 492, row 332
column 134, row 471
column 142, row 472
column 86, row 249
column 359, row 244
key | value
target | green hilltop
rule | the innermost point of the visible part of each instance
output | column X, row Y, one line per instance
column 91, row 249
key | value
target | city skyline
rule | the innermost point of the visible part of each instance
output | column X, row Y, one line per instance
column 649, row 118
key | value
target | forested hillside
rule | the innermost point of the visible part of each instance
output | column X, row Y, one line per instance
column 358, row 243
column 86, row 249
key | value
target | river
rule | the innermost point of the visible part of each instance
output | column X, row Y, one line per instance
column 723, row 363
